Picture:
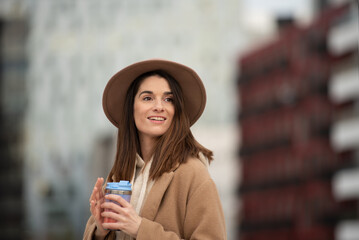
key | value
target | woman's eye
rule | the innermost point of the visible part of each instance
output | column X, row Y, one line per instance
column 168, row 100
column 147, row 98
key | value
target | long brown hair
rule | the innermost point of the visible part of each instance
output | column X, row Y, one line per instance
column 171, row 149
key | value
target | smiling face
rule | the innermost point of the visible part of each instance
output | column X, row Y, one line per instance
column 153, row 108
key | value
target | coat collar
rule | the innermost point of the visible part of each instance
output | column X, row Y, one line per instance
column 154, row 198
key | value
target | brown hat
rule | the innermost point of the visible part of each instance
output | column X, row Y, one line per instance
column 192, row 87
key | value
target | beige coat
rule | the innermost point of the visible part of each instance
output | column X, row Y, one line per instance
column 183, row 204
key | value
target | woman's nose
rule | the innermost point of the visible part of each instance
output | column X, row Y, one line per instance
column 158, row 105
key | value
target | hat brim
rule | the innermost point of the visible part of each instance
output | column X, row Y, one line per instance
column 192, row 87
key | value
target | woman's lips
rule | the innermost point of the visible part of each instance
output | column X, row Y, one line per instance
column 157, row 118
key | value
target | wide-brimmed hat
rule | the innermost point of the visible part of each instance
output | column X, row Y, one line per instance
column 194, row 93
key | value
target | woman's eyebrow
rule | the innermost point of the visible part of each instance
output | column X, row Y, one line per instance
column 167, row 93
column 150, row 92
column 146, row 92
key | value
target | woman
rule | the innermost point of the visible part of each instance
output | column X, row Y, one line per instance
column 153, row 103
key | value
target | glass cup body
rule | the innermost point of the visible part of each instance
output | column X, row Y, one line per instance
column 125, row 194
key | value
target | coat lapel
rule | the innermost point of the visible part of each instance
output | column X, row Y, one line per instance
column 154, row 198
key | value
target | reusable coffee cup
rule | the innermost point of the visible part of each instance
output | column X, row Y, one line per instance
column 122, row 188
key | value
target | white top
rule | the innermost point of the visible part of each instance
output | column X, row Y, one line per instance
column 141, row 186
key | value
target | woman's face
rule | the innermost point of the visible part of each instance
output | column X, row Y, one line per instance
column 153, row 107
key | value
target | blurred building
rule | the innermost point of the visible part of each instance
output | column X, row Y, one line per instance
column 343, row 42
column 13, row 97
column 71, row 49
column 298, row 165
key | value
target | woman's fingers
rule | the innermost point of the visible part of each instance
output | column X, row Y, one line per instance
column 119, row 199
column 96, row 199
column 97, row 194
column 99, row 186
column 113, row 207
column 92, row 197
column 97, row 190
column 99, row 183
column 123, row 213
column 112, row 226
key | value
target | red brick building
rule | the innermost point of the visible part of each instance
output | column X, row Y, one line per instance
column 287, row 158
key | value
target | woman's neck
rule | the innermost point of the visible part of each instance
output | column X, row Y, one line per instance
column 147, row 145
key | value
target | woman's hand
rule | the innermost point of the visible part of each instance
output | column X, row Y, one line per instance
column 127, row 220
column 96, row 199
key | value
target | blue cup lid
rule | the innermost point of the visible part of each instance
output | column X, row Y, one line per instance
column 122, row 185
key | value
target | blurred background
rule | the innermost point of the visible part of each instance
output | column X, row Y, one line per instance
column 282, row 113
